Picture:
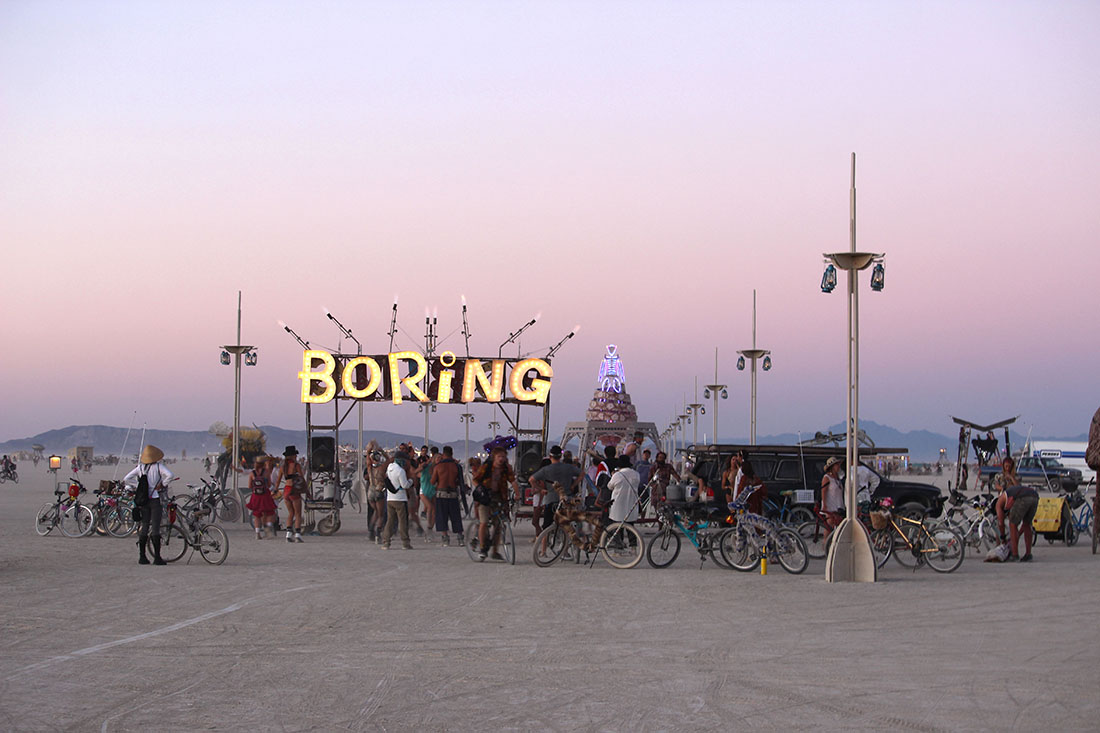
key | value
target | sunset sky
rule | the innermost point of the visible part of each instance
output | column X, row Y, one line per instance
column 637, row 168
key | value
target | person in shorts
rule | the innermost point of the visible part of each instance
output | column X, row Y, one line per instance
column 1019, row 503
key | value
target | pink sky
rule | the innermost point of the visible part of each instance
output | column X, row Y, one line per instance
column 637, row 168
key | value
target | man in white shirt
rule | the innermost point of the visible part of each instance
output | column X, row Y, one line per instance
column 867, row 482
column 158, row 477
column 397, row 502
column 624, row 492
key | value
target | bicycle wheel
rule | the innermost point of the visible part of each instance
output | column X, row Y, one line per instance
column 354, row 501
column 813, row 537
column 622, row 545
column 507, row 545
column 471, row 539
column 173, row 544
column 907, row 549
column 121, row 520
column 77, row 521
column 549, row 545
column 987, row 535
column 328, row 524
column 213, row 544
column 739, row 550
column 229, row 509
column 799, row 516
column 943, row 549
column 882, row 545
column 791, row 551
column 46, row 519
column 664, row 548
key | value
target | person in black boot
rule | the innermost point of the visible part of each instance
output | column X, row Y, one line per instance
column 158, row 477
column 157, row 559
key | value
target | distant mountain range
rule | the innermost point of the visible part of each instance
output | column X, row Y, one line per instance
column 923, row 445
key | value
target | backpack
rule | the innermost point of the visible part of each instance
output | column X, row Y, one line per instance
column 483, row 495
column 257, row 484
column 141, row 493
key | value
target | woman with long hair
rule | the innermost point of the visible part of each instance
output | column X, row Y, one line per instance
column 292, row 473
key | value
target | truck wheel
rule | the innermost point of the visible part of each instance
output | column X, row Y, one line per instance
column 1054, row 484
column 912, row 509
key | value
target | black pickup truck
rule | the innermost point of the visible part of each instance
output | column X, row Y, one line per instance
column 1039, row 472
column 792, row 467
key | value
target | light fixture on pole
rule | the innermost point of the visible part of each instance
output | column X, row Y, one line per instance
column 694, row 410
column 850, row 557
column 714, row 391
column 494, row 425
column 249, row 352
column 685, row 420
column 357, row 484
column 753, row 355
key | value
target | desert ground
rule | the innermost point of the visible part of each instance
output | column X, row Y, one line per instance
column 337, row 634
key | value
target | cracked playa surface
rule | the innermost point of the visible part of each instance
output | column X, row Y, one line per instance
column 336, row 634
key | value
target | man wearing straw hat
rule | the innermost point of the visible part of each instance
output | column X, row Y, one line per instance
column 158, row 476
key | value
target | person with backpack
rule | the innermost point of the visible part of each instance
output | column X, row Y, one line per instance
column 447, row 480
column 261, row 503
column 149, row 479
column 291, row 471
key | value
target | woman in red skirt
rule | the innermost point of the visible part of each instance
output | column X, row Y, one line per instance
column 261, row 503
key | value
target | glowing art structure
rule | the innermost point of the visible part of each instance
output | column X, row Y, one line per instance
column 611, row 416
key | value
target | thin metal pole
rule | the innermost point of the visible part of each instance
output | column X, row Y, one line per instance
column 853, row 364
column 714, row 438
column 237, row 400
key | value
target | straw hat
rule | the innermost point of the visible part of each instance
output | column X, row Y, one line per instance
column 151, row 454
column 833, row 460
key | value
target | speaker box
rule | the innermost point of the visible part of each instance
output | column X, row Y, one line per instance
column 322, row 454
column 529, row 454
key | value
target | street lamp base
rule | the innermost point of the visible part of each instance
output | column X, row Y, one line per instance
column 850, row 557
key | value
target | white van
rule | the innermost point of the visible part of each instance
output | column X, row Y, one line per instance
column 1070, row 454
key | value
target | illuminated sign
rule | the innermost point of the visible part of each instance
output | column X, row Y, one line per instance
column 408, row 374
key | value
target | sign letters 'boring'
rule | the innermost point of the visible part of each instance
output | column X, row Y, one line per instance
column 443, row 379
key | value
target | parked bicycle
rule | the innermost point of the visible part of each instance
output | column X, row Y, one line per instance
column 913, row 543
column 978, row 526
column 787, row 512
column 499, row 534
column 114, row 510
column 756, row 537
column 192, row 529
column 575, row 531
column 703, row 530
column 66, row 513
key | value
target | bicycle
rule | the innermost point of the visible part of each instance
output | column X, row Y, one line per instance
column 787, row 512
column 978, row 530
column 939, row 547
column 620, row 543
column 65, row 512
column 114, row 515
column 188, row 530
column 9, row 474
column 349, row 497
column 227, row 506
column 703, row 531
column 756, row 537
column 500, row 534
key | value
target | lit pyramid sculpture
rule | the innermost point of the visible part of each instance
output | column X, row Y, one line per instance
column 611, row 416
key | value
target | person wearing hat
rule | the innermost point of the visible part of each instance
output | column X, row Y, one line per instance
column 158, row 476
column 544, row 479
column 832, row 495
column 291, row 472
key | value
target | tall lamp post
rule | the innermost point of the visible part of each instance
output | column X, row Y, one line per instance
column 356, row 485
column 694, row 410
column 683, row 422
column 753, row 355
column 494, row 425
column 715, row 391
column 850, row 556
column 237, row 350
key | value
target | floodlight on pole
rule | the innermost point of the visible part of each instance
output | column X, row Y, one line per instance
column 356, row 485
